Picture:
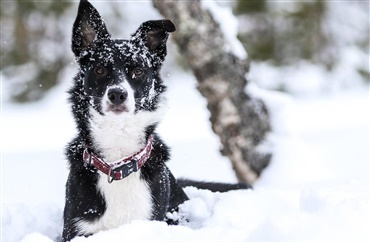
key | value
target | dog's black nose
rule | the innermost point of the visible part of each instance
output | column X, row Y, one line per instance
column 117, row 96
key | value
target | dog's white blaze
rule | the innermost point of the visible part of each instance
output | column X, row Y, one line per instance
column 152, row 91
column 126, row 200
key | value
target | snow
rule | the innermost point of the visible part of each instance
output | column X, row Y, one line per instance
column 228, row 23
column 315, row 189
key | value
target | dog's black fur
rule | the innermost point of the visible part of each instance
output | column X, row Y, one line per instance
column 116, row 101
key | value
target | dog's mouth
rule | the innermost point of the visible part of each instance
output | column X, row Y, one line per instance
column 117, row 109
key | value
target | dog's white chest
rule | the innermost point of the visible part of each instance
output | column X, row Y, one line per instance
column 126, row 200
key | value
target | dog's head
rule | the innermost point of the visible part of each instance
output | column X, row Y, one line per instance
column 118, row 77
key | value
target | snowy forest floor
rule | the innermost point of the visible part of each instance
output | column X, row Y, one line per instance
column 316, row 188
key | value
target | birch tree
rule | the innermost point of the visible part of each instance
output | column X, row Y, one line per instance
column 240, row 120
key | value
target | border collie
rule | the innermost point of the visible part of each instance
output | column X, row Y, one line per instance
column 117, row 161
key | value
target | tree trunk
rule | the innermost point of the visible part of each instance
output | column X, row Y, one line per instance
column 241, row 121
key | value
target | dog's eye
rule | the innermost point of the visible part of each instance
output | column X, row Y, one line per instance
column 138, row 72
column 100, row 71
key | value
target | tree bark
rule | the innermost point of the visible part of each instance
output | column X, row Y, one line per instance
column 240, row 120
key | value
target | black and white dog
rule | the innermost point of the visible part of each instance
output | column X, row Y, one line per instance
column 117, row 161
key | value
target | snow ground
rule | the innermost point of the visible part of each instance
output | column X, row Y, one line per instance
column 316, row 188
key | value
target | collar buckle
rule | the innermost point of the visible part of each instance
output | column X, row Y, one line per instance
column 123, row 172
column 128, row 168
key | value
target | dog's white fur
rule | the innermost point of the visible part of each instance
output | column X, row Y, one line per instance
column 122, row 135
column 119, row 136
column 125, row 199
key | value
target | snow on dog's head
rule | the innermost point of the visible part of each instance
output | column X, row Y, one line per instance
column 118, row 77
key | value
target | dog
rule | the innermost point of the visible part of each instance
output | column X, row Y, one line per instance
column 117, row 161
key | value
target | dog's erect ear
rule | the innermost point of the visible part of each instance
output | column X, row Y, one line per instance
column 157, row 32
column 153, row 34
column 87, row 28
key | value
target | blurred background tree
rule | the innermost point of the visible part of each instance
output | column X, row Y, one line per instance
column 32, row 51
column 284, row 35
column 322, row 33
column 35, row 45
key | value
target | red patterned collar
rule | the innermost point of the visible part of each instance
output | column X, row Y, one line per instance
column 122, row 168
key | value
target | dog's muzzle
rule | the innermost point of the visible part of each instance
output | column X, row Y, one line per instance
column 116, row 100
